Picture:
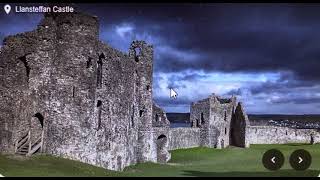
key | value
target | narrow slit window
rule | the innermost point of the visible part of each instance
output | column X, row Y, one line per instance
column 99, row 106
column 99, row 70
column 73, row 91
column 23, row 59
column 132, row 117
column 202, row 118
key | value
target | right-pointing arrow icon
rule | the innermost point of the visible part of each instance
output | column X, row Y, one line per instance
column 300, row 160
column 273, row 160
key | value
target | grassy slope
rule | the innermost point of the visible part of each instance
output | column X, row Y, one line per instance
column 187, row 162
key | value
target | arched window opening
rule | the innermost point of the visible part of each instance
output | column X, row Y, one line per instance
column 225, row 115
column 157, row 118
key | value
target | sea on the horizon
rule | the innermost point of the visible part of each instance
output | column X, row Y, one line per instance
column 179, row 124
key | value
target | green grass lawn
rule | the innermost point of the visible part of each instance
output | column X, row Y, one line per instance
column 184, row 162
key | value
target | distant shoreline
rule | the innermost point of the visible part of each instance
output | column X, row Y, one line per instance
column 184, row 117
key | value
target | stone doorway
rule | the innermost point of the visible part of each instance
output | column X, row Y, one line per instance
column 162, row 149
column 37, row 122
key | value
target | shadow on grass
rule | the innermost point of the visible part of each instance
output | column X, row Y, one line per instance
column 299, row 144
column 280, row 173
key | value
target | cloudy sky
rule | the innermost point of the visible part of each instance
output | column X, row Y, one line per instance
column 268, row 55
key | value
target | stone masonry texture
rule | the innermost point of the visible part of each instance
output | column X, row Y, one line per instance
column 93, row 102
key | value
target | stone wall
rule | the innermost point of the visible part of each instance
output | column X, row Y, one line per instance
column 280, row 135
column 239, row 122
column 199, row 117
column 159, row 117
column 180, row 138
column 213, row 115
column 96, row 102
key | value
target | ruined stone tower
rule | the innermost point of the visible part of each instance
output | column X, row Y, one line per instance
column 66, row 93
column 142, row 54
column 221, row 121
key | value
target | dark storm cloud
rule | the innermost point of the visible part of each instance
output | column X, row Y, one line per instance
column 15, row 23
column 230, row 37
column 175, row 81
column 214, row 38
column 234, row 92
column 284, row 84
column 296, row 100
column 226, row 37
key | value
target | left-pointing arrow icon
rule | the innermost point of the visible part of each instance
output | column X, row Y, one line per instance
column 273, row 160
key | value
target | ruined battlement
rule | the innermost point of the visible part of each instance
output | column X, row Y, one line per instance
column 222, row 121
column 90, row 102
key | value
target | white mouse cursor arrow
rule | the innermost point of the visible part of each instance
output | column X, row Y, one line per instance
column 173, row 94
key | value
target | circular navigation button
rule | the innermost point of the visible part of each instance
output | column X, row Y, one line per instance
column 273, row 159
column 300, row 160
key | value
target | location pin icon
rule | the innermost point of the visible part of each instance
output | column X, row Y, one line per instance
column 7, row 8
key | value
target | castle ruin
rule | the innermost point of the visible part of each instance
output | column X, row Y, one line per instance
column 222, row 121
column 66, row 93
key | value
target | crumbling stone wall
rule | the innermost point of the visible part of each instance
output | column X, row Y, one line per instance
column 159, row 117
column 199, row 117
column 26, row 69
column 239, row 122
column 142, row 54
column 220, row 122
column 72, row 87
column 222, row 110
column 96, row 102
column 161, row 139
column 161, row 135
column 180, row 138
column 281, row 135
column 213, row 116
